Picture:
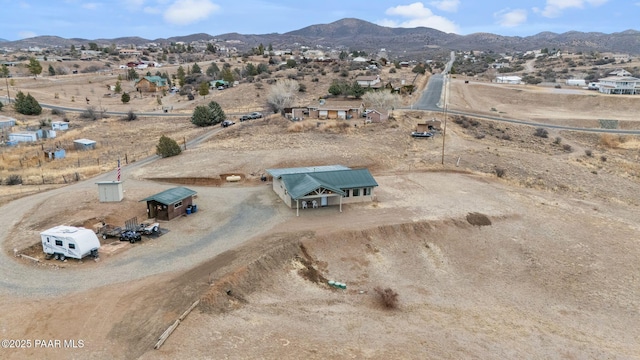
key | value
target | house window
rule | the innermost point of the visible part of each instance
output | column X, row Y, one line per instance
column 177, row 205
column 356, row 192
column 58, row 242
column 367, row 191
column 72, row 246
column 346, row 193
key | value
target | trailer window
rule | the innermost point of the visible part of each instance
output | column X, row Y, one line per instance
column 58, row 242
column 177, row 205
column 72, row 246
column 356, row 192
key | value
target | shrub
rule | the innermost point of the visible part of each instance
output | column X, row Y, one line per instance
column 130, row 116
column 57, row 112
column 541, row 132
column 167, row 147
column 610, row 141
column 603, row 158
column 500, row 172
column 388, row 298
column 558, row 140
column 89, row 114
column 13, row 180
column 588, row 152
column 567, row 147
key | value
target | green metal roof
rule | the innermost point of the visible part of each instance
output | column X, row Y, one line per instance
column 300, row 184
column 171, row 196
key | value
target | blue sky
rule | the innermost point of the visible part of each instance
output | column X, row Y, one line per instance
column 153, row 19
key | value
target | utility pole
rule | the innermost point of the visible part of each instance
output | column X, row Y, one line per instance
column 444, row 128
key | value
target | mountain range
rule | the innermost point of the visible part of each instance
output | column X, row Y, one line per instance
column 356, row 34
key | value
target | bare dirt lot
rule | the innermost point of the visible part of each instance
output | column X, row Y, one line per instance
column 545, row 267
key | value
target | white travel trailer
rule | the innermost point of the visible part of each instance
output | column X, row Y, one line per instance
column 62, row 242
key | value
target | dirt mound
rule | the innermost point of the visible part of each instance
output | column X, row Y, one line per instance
column 228, row 289
column 478, row 219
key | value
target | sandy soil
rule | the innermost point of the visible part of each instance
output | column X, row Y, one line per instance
column 553, row 276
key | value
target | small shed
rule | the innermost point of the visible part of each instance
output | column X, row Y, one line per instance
column 58, row 153
column 84, row 144
column 377, row 116
column 60, row 125
column 170, row 203
column 26, row 136
column 110, row 191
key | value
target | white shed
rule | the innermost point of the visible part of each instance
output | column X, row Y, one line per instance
column 26, row 136
column 60, row 125
column 576, row 82
column 110, row 191
column 509, row 79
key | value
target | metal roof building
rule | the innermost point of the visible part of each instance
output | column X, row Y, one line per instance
column 170, row 203
column 320, row 186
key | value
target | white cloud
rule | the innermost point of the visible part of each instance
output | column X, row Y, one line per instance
column 554, row 8
column 511, row 18
column 27, row 34
column 417, row 16
column 184, row 12
column 90, row 6
column 446, row 5
column 151, row 10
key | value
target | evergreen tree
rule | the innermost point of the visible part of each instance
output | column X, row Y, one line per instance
column 26, row 105
column 118, row 88
column 227, row 74
column 213, row 70
column 125, row 98
column 203, row 89
column 196, row 69
column 356, row 90
column 52, row 71
column 34, row 67
column 181, row 75
column 217, row 112
column 167, row 147
column 132, row 74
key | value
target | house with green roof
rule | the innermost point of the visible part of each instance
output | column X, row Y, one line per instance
column 319, row 186
column 152, row 84
column 170, row 203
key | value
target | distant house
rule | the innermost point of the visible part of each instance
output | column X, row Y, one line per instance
column 359, row 59
column 509, row 80
column 60, row 125
column 129, row 52
column 374, row 115
column 152, row 84
column 576, row 82
column 170, row 203
column 84, row 144
column 320, row 186
column 625, row 85
column 369, row 81
column 216, row 83
column 327, row 110
column 7, row 122
column 619, row 72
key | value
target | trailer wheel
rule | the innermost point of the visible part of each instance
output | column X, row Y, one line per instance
column 132, row 240
column 104, row 236
column 56, row 256
column 62, row 257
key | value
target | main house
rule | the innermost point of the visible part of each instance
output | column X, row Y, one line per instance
column 627, row 85
column 152, row 84
column 320, row 186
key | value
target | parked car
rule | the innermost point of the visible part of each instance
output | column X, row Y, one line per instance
column 255, row 115
column 227, row 123
column 221, row 87
column 245, row 118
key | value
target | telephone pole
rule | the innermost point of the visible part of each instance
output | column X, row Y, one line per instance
column 444, row 128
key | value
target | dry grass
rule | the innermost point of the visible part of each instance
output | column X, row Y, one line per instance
column 610, row 141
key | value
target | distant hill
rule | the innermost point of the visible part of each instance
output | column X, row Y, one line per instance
column 3, row 40
column 355, row 34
